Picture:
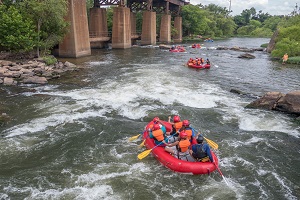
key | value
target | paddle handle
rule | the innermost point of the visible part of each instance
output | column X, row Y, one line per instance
column 221, row 174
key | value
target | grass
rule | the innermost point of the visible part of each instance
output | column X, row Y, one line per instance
column 264, row 45
column 294, row 60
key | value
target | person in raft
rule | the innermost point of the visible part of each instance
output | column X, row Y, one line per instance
column 176, row 126
column 285, row 58
column 201, row 151
column 207, row 61
column 180, row 149
column 188, row 130
column 159, row 135
column 156, row 120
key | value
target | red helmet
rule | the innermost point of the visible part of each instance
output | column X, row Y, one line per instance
column 185, row 122
column 155, row 119
column 182, row 134
column 176, row 118
column 156, row 127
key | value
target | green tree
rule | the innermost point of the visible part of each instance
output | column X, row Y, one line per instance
column 272, row 22
column 255, row 23
column 16, row 31
column 48, row 15
column 288, row 40
column 262, row 32
column 109, row 14
column 286, row 45
column 194, row 20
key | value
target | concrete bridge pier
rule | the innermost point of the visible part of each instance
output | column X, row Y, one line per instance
column 178, row 27
column 76, row 42
column 98, row 26
column 148, row 28
column 165, row 28
column 121, row 30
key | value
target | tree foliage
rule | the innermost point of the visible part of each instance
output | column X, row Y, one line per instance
column 50, row 30
column 16, row 31
column 211, row 20
column 288, row 41
column 41, row 22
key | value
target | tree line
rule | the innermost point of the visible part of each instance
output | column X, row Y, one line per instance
column 39, row 25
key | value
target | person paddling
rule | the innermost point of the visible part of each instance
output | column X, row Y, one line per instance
column 159, row 135
column 201, row 151
column 180, row 148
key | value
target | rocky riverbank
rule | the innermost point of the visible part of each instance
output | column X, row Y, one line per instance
column 32, row 72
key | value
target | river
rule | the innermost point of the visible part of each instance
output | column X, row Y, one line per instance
column 69, row 139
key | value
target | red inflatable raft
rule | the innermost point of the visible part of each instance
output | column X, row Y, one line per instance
column 197, row 46
column 177, row 50
column 175, row 164
column 203, row 66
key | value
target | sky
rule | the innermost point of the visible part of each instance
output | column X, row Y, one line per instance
column 273, row 7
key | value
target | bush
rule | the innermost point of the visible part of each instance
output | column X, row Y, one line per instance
column 291, row 47
column 294, row 60
column 264, row 45
column 16, row 31
column 50, row 60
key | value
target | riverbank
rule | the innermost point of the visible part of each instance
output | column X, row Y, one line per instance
column 24, row 68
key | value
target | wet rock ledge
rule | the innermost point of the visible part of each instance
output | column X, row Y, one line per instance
column 287, row 103
column 31, row 72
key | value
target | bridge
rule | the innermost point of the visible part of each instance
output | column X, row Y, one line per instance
column 92, row 32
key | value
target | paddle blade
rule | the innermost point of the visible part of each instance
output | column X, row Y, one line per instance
column 144, row 154
column 134, row 137
column 142, row 144
column 212, row 143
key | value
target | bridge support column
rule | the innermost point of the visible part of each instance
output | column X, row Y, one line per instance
column 121, row 30
column 76, row 42
column 98, row 26
column 148, row 28
column 165, row 28
column 178, row 27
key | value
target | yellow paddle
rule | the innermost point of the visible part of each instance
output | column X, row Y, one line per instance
column 142, row 144
column 134, row 137
column 212, row 143
column 146, row 153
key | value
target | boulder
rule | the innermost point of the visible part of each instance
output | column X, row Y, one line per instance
column 289, row 103
column 164, row 46
column 35, row 80
column 246, row 55
column 267, row 101
column 9, row 81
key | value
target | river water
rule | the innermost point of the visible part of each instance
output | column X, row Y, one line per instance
column 69, row 138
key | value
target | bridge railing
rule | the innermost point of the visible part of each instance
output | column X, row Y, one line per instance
column 97, row 34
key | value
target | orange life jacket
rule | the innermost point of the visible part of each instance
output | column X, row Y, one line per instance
column 189, row 133
column 158, row 134
column 177, row 125
column 184, row 145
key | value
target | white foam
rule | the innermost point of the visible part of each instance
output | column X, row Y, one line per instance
column 127, row 94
